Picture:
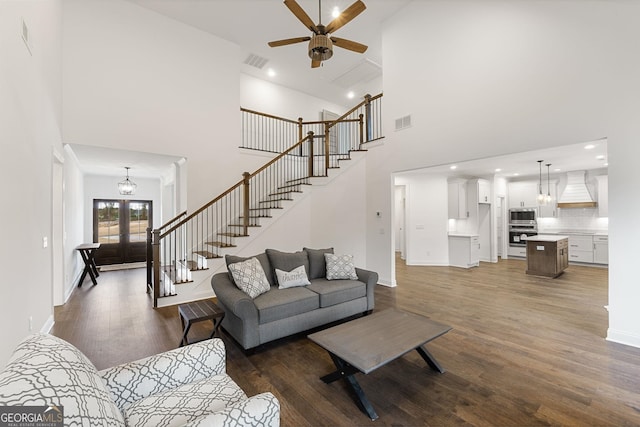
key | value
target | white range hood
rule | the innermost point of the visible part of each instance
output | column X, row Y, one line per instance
column 576, row 194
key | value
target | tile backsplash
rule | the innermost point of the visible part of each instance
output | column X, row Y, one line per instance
column 585, row 219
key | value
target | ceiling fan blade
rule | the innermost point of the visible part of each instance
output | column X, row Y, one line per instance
column 347, row 15
column 315, row 64
column 288, row 41
column 349, row 45
column 299, row 12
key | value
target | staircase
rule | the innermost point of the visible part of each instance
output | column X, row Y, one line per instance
column 179, row 252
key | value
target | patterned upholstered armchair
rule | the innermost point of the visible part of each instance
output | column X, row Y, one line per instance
column 187, row 386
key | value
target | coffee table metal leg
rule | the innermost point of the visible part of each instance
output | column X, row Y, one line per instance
column 347, row 372
column 431, row 361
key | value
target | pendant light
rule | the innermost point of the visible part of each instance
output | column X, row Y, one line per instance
column 127, row 187
column 548, row 197
column 541, row 196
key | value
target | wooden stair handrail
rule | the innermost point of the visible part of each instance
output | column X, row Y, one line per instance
column 367, row 100
column 241, row 182
column 270, row 116
column 175, row 218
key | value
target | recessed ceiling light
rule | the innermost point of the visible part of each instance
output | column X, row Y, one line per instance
column 271, row 72
column 516, row 174
column 589, row 147
column 498, row 170
column 600, row 157
column 453, row 167
column 606, row 164
column 557, row 170
column 335, row 12
column 351, row 95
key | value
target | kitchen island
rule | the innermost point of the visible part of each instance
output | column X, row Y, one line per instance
column 547, row 255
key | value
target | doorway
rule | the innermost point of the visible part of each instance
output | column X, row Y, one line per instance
column 120, row 226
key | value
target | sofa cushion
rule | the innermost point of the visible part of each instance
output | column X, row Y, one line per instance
column 45, row 370
column 186, row 403
column 334, row 292
column 340, row 267
column 293, row 278
column 287, row 261
column 249, row 277
column 283, row 303
column 317, row 263
column 264, row 261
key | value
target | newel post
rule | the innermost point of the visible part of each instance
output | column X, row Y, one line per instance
column 310, row 137
column 367, row 110
column 361, row 123
column 245, row 208
column 149, row 259
column 156, row 266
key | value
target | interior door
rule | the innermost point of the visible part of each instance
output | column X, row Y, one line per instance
column 120, row 226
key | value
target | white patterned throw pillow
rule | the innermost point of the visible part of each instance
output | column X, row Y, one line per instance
column 249, row 277
column 340, row 267
column 290, row 279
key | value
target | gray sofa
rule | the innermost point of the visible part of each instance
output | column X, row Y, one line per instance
column 279, row 312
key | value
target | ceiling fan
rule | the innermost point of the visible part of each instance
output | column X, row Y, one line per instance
column 321, row 42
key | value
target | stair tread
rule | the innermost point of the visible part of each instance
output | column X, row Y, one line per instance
column 284, row 192
column 242, row 225
column 258, row 216
column 193, row 266
column 207, row 254
column 220, row 244
column 264, row 209
column 230, row 234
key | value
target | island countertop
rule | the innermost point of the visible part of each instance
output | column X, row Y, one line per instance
column 546, row 238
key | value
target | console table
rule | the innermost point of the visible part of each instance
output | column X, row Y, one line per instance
column 88, row 253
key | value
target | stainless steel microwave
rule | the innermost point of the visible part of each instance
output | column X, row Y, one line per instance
column 524, row 216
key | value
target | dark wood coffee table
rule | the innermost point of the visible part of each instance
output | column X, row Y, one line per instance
column 365, row 344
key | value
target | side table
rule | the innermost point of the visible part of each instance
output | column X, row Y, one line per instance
column 88, row 253
column 197, row 312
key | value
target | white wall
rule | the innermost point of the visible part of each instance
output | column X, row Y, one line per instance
column 496, row 77
column 30, row 111
column 426, row 218
column 139, row 81
column 272, row 98
column 74, row 221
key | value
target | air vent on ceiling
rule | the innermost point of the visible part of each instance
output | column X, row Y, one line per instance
column 364, row 71
column 256, row 61
column 403, row 122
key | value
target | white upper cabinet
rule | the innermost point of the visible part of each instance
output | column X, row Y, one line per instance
column 484, row 191
column 458, row 199
column 603, row 195
column 523, row 194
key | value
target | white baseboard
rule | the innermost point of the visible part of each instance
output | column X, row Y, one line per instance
column 46, row 328
column 622, row 337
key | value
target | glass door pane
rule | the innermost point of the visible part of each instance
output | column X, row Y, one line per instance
column 138, row 221
column 108, row 222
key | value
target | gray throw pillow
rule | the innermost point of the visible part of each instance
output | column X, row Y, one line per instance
column 264, row 261
column 317, row 263
column 287, row 261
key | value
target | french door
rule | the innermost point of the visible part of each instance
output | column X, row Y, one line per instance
column 120, row 226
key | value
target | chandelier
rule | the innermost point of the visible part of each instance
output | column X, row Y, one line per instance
column 127, row 187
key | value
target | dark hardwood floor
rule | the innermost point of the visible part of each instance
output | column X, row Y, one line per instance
column 524, row 351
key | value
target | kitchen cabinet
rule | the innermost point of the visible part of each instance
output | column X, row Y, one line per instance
column 601, row 249
column 603, row 195
column 523, row 194
column 581, row 248
column 464, row 251
column 546, row 255
column 549, row 210
column 484, row 191
column 458, row 199
column 517, row 251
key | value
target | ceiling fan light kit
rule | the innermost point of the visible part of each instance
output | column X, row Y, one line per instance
column 321, row 43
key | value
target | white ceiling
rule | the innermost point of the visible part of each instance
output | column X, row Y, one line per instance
column 111, row 162
column 562, row 159
column 252, row 23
